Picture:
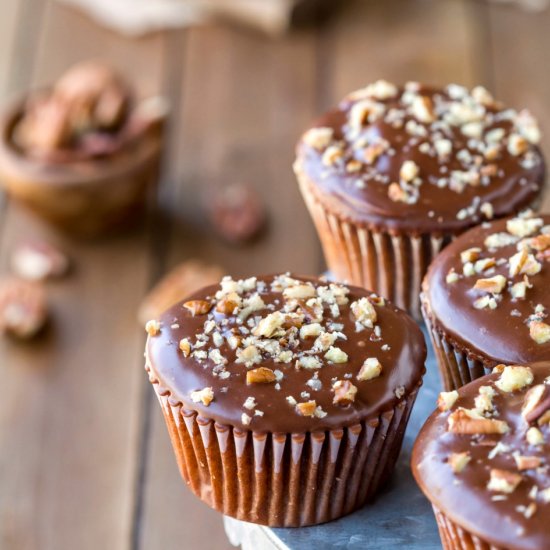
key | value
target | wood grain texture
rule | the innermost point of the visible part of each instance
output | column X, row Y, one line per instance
column 518, row 44
column 70, row 418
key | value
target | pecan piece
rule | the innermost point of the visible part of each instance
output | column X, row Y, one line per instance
column 36, row 261
column 536, row 403
column 344, row 392
column 459, row 461
column 527, row 462
column 198, row 307
column 261, row 375
column 307, row 408
column 464, row 421
column 229, row 303
column 22, row 307
column 503, row 481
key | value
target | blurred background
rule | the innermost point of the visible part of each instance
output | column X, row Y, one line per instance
column 85, row 459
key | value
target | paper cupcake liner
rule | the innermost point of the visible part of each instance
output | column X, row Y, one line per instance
column 391, row 264
column 457, row 366
column 284, row 480
column 454, row 537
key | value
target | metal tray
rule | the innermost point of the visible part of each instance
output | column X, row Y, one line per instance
column 400, row 517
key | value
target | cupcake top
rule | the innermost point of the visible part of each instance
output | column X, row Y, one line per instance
column 285, row 354
column 483, row 458
column 488, row 290
column 423, row 158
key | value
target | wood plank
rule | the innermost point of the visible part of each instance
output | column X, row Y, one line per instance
column 245, row 100
column 10, row 13
column 518, row 46
column 427, row 40
column 70, row 416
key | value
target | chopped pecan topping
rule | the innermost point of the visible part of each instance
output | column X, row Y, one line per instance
column 306, row 408
column 261, row 375
column 198, row 307
column 370, row 369
column 229, row 303
column 152, row 327
column 514, row 378
column 539, row 332
column 464, row 421
column 459, row 461
column 536, row 403
column 527, row 462
column 446, row 400
column 503, row 481
column 204, row 396
column 344, row 392
column 185, row 347
column 494, row 285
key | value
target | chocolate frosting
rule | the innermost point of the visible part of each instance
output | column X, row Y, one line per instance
column 395, row 340
column 360, row 191
column 496, row 517
column 502, row 334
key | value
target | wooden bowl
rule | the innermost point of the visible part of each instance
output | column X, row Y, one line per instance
column 83, row 198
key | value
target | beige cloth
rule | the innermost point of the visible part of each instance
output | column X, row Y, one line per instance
column 136, row 17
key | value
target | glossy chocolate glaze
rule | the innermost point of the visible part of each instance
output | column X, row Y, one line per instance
column 464, row 496
column 402, row 362
column 498, row 335
column 437, row 209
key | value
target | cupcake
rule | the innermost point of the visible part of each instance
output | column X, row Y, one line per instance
column 83, row 154
column 483, row 461
column 485, row 299
column 393, row 174
column 286, row 398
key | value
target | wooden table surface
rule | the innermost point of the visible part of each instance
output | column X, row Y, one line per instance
column 85, row 460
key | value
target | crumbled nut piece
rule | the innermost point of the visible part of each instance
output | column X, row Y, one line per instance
column 370, row 369
column 299, row 292
column 399, row 392
column 485, row 302
column 36, row 261
column 470, row 255
column 524, row 263
column 517, row 145
column 332, row 155
column 353, row 166
column 373, row 151
column 459, row 461
column 484, row 265
column 487, row 210
column 23, row 308
column 514, row 378
column 443, row 147
column 309, row 362
column 246, row 419
column 468, row 269
column 229, row 303
column 397, row 194
column 523, row 227
column 539, row 243
column 381, row 89
column 527, row 462
column 318, row 138
column 204, row 396
column 494, row 285
column 534, row 436
column 152, row 327
column 536, row 402
column 269, row 325
column 446, row 400
column 519, row 290
column 364, row 312
column 185, row 347
column 310, row 331
column 422, row 109
column 539, row 332
column 344, row 392
column 249, row 356
column 498, row 240
column 484, row 400
column 545, row 495
column 336, row 355
column 464, row 421
column 452, row 277
column 261, row 375
column 503, row 481
column 198, row 307
column 306, row 408
column 409, row 170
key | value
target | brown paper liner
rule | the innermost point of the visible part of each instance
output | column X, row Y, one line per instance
column 391, row 264
column 284, row 480
column 457, row 366
column 454, row 537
